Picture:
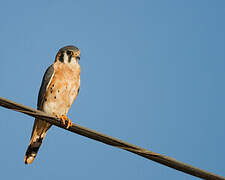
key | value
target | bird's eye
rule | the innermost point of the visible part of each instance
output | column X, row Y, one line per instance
column 69, row 53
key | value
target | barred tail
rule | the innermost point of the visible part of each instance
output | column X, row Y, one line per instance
column 39, row 131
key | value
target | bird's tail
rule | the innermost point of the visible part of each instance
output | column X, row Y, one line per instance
column 39, row 131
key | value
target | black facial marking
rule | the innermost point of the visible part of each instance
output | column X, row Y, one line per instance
column 55, row 97
column 69, row 54
column 61, row 58
column 58, row 91
column 70, row 58
column 45, row 99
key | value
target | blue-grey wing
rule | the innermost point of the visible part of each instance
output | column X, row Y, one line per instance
column 40, row 127
column 45, row 81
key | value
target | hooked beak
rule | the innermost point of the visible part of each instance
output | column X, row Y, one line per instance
column 78, row 58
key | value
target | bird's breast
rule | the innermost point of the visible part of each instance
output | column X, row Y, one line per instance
column 62, row 90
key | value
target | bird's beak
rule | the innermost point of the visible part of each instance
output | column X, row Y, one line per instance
column 78, row 57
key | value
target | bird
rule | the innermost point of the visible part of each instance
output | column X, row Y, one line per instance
column 59, row 88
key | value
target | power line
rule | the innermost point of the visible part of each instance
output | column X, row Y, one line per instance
column 162, row 159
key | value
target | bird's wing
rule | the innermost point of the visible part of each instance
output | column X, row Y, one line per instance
column 40, row 127
column 49, row 73
column 44, row 85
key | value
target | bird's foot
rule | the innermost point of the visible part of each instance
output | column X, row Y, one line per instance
column 64, row 118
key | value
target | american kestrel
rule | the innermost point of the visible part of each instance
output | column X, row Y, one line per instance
column 60, row 87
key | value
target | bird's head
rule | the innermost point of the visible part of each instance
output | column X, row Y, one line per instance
column 68, row 55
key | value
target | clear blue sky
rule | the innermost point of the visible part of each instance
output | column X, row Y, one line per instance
column 152, row 74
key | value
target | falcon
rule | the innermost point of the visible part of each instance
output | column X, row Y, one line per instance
column 60, row 87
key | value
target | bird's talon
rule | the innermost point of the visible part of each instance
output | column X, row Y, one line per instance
column 64, row 118
column 69, row 124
